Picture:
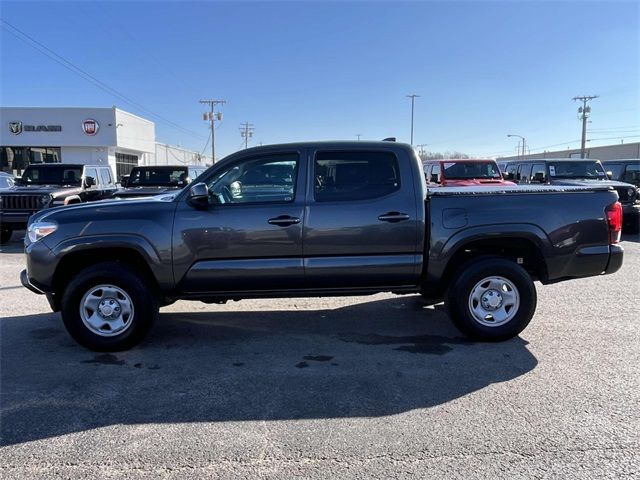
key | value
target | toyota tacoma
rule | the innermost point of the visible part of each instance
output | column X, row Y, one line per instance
column 318, row 219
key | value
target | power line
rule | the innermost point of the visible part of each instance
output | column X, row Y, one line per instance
column 206, row 144
column 32, row 42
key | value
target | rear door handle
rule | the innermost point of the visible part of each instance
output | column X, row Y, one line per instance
column 393, row 217
column 284, row 221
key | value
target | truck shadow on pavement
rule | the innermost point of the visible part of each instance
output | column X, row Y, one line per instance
column 380, row 357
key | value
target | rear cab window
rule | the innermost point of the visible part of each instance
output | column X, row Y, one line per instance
column 355, row 175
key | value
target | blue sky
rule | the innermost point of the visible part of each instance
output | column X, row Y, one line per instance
column 331, row 70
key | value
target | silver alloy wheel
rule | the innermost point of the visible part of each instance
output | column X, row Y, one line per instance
column 494, row 301
column 106, row 310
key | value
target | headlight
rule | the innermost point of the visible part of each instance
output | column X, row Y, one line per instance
column 631, row 192
column 39, row 230
column 45, row 199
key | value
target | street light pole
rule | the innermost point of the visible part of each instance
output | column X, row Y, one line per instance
column 413, row 101
column 524, row 143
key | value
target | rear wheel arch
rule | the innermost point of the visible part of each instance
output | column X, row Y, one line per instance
column 522, row 250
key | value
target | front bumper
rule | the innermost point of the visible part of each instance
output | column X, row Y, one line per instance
column 15, row 220
column 26, row 283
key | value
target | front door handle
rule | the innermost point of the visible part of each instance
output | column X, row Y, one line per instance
column 283, row 221
column 393, row 217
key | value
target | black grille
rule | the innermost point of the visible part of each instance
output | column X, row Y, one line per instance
column 21, row 202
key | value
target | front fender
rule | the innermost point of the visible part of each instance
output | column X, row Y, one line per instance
column 159, row 264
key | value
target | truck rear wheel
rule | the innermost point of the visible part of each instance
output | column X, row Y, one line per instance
column 107, row 307
column 491, row 299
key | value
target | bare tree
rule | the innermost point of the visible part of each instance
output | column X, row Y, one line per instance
column 424, row 155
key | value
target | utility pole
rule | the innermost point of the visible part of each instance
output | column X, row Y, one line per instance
column 413, row 101
column 584, row 112
column 524, row 143
column 212, row 117
column 246, row 132
column 358, row 135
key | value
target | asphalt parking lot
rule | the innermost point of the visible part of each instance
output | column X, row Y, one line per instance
column 360, row 387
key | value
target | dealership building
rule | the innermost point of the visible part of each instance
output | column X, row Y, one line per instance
column 97, row 136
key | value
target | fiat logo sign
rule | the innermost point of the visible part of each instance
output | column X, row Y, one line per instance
column 90, row 126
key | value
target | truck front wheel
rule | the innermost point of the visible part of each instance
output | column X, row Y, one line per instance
column 491, row 299
column 108, row 307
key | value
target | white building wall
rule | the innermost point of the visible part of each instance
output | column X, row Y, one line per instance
column 134, row 133
column 605, row 152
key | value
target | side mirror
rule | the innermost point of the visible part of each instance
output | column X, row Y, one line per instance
column 610, row 175
column 124, row 180
column 89, row 182
column 434, row 178
column 198, row 196
column 538, row 177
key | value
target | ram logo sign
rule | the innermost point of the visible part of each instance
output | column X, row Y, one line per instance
column 15, row 127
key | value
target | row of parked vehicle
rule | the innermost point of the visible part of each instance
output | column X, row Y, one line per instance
column 51, row 185
column 622, row 175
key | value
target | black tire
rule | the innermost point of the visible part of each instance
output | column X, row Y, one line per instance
column 468, row 277
column 145, row 306
column 5, row 235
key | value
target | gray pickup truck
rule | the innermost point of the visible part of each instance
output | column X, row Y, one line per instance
column 318, row 219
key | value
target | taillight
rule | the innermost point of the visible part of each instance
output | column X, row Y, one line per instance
column 614, row 219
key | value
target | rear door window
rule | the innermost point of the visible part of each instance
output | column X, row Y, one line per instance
column 539, row 173
column 105, row 176
column 355, row 175
column 91, row 172
column 524, row 172
column 435, row 174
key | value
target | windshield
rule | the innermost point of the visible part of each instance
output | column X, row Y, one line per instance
column 471, row 170
column 58, row 175
column 588, row 169
column 158, row 177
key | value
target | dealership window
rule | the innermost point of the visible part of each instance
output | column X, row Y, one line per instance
column 16, row 159
column 125, row 163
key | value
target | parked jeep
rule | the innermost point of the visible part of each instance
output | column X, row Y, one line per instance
column 50, row 185
column 567, row 171
column 626, row 170
column 157, row 179
column 463, row 173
